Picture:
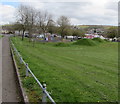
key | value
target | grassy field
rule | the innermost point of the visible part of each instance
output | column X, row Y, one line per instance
column 74, row 73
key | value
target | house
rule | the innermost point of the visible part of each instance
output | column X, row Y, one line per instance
column 91, row 36
column 21, row 32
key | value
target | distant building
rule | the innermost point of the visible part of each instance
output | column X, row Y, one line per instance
column 4, row 31
column 91, row 36
column 93, row 31
column 20, row 32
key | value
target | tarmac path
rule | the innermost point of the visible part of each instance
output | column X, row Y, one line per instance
column 0, row 71
column 10, row 89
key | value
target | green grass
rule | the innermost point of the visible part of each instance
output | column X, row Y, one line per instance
column 62, row 44
column 98, row 40
column 86, row 42
column 1, row 36
column 77, row 73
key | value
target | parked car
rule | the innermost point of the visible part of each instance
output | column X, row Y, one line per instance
column 26, row 35
column 40, row 36
column 69, row 37
column 79, row 37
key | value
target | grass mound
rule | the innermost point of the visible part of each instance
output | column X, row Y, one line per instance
column 106, row 40
column 98, row 40
column 87, row 42
column 62, row 44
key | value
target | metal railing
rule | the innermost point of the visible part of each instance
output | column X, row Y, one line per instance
column 43, row 87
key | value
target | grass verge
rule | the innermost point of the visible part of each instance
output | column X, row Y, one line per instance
column 73, row 74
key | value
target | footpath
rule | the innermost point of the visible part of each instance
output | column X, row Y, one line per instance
column 0, row 71
column 10, row 89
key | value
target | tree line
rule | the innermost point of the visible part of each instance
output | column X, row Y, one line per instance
column 33, row 20
column 38, row 21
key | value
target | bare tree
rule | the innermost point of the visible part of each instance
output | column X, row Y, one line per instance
column 44, row 20
column 26, row 17
column 63, row 23
column 17, row 27
column 22, row 18
column 31, row 21
column 30, row 18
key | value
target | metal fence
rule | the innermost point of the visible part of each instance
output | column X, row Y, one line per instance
column 43, row 87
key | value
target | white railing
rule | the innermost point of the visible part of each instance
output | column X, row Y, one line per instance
column 43, row 87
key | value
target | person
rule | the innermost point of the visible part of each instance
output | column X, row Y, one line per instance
column 46, row 38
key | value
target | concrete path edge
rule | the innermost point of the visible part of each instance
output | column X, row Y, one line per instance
column 22, row 90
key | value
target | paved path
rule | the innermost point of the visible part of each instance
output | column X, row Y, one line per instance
column 0, row 71
column 10, row 92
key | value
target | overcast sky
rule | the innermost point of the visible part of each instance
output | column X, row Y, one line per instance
column 83, row 12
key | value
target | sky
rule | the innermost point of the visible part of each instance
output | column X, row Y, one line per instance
column 80, row 12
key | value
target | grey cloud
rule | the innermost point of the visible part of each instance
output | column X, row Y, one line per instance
column 78, row 13
column 70, row 9
column 96, row 19
column 112, row 5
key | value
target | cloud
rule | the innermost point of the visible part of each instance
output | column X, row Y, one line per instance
column 7, row 14
column 112, row 6
column 84, row 12
column 79, row 11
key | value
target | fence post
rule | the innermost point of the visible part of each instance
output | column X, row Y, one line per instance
column 20, row 60
column 44, row 95
column 14, row 49
column 27, row 74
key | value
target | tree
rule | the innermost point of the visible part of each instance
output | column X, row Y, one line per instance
column 78, row 32
column 17, row 27
column 68, row 32
column 22, row 18
column 112, row 32
column 44, row 20
column 51, row 27
column 31, row 21
column 63, row 23
column 26, row 18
